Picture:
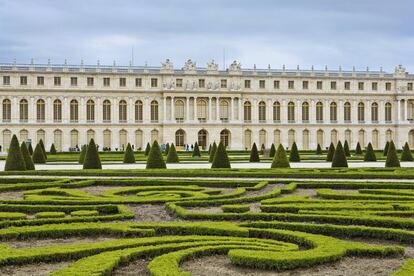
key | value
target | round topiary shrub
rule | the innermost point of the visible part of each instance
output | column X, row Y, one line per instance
column 172, row 156
column 346, row 149
column 52, row 149
column 129, row 157
column 38, row 156
column 155, row 160
column 221, row 159
column 294, row 153
column 196, row 151
column 339, row 158
column 147, row 149
column 14, row 161
column 319, row 150
column 254, row 154
column 387, row 145
column 92, row 160
column 406, row 153
column 272, row 151
column 212, row 152
column 358, row 149
column 82, row 154
column 370, row 154
column 27, row 158
column 331, row 151
column 43, row 148
column 392, row 158
column 280, row 159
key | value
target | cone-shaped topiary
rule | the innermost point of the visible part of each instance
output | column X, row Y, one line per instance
column 15, row 160
column 346, row 149
column 43, row 148
column 280, row 159
column 196, row 151
column 212, row 152
column 155, row 160
column 358, row 149
column 129, row 157
column 272, row 150
column 82, row 154
column 26, row 157
column 167, row 148
column 294, row 153
column 221, row 159
column 172, row 156
column 38, row 156
column 254, row 154
column 331, row 152
column 370, row 154
column 52, row 149
column 30, row 149
column 339, row 158
column 319, row 150
column 387, row 145
column 147, row 149
column 209, row 149
column 392, row 158
column 92, row 160
column 406, row 153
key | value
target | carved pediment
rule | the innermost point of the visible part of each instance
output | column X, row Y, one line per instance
column 190, row 66
column 212, row 67
column 235, row 68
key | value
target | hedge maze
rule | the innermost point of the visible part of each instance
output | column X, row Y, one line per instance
column 73, row 226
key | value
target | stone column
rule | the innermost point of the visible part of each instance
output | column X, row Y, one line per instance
column 209, row 109
column 172, row 109
column 231, row 109
column 195, row 115
column 406, row 110
column 217, row 109
column 164, row 109
column 397, row 110
column 187, row 107
column 240, row 112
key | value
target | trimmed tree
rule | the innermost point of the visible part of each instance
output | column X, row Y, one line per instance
column 358, row 149
column 331, row 152
column 196, row 151
column 167, row 148
column 155, row 160
column 42, row 145
column 272, row 150
column 172, row 156
column 30, row 149
column 339, row 158
column 209, row 149
column 280, row 159
column 370, row 154
column 294, row 153
column 319, row 150
column 15, row 160
column 221, row 159
column 38, row 156
column 392, row 158
column 254, row 154
column 387, row 145
column 92, row 160
column 212, row 152
column 52, row 149
column 26, row 157
column 82, row 154
column 346, row 149
column 406, row 153
column 147, row 149
column 129, row 157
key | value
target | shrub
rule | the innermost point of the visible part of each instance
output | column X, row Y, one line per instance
column 14, row 161
column 44, row 215
column 339, row 158
column 92, row 160
column 294, row 153
column 392, row 158
column 172, row 156
column 346, row 149
column 358, row 149
column 30, row 149
column 331, row 152
column 370, row 154
column 254, row 154
column 221, row 160
column 26, row 157
column 129, row 157
column 147, row 149
column 406, row 153
column 38, row 156
column 272, row 150
column 387, row 145
column 212, row 152
column 42, row 145
column 196, row 151
column 155, row 160
column 280, row 159
column 209, row 149
column 319, row 150
column 82, row 154
column 52, row 149
column 167, row 148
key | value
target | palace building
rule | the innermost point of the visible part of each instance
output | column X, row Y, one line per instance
column 68, row 105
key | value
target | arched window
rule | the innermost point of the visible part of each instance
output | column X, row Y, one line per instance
column 347, row 112
column 24, row 111
column 106, row 111
column 74, row 138
column 123, row 139
column 154, row 112
column 138, row 111
column 40, row 110
column 123, row 111
column 348, row 137
column 291, row 137
column 179, row 110
column 154, row 136
column 90, row 134
column 319, row 112
column 180, row 138
column 320, row 138
column 202, row 110
column 24, row 135
column 375, row 139
column 6, row 139
column 276, row 112
column 90, row 111
column 57, row 111
column 107, row 139
column 202, row 138
column 248, row 139
column 262, row 112
column 57, row 139
column 138, row 139
column 361, row 112
column 6, row 111
column 225, row 137
column 374, row 113
column 224, row 110
column 333, row 108
column 247, row 112
column 361, row 138
column 41, row 135
column 305, row 138
column 411, row 138
column 262, row 138
column 74, row 111
column 334, row 137
column 305, row 112
column 388, row 135
column 388, row 110
column 291, row 112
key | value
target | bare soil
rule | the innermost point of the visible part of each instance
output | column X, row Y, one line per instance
column 97, row 190
column 302, row 192
column 39, row 269
column 11, row 195
column 31, row 243
column 136, row 267
column 151, row 213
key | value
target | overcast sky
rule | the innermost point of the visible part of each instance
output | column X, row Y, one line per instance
column 363, row 33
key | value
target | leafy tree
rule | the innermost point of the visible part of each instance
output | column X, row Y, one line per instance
column 280, row 159
column 196, row 151
column 92, row 160
column 254, row 154
column 221, row 159
column 212, row 152
column 358, row 149
column 167, row 148
column 370, row 154
column 38, row 156
column 43, row 148
column 82, row 154
column 30, row 148
column 129, row 157
column 272, row 151
column 155, row 160
column 346, row 149
column 172, row 156
column 294, row 153
column 406, row 153
column 339, row 158
column 331, row 151
column 392, row 158
column 52, row 149
column 26, row 157
column 15, row 160
column 147, row 149
column 387, row 145
column 319, row 150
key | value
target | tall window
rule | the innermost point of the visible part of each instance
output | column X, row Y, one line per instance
column 57, row 111
column 90, row 112
column 291, row 112
column 224, row 110
column 202, row 110
column 74, row 138
column 319, row 112
column 247, row 139
column 347, row 112
column 225, row 137
column 41, row 135
column 138, row 111
column 6, row 139
column 57, row 139
column 276, row 112
column 305, row 112
column 24, row 110
column 154, row 135
column 90, row 134
column 361, row 112
column 202, row 138
column 6, row 110
column 74, row 111
column 123, row 111
column 388, row 135
column 40, row 110
column 123, row 139
column 375, row 139
column 305, row 138
column 107, row 137
column 154, row 111
column 262, row 111
column 276, row 137
column 138, row 139
column 361, row 138
column 24, row 135
column 179, row 110
column 334, row 137
column 348, row 136
column 320, row 138
column 333, row 112
column 247, row 112
column 291, row 137
column 180, row 138
column 262, row 138
column 106, row 111
column 388, row 113
column 374, row 112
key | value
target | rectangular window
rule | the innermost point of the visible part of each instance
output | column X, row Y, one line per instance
column 201, row 83
column 57, row 81
column 73, row 81
column 347, row 85
column 333, row 85
column 154, row 82
column 138, row 82
column 410, row 86
column 291, row 84
column 305, row 85
column 40, row 80
column 6, row 80
column 179, row 82
column 388, row 86
column 262, row 84
column 276, row 84
column 360, row 85
column 223, row 83
column 106, row 82
column 122, row 82
column 23, row 80
column 319, row 85
column 374, row 86
column 90, row 81
column 247, row 84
